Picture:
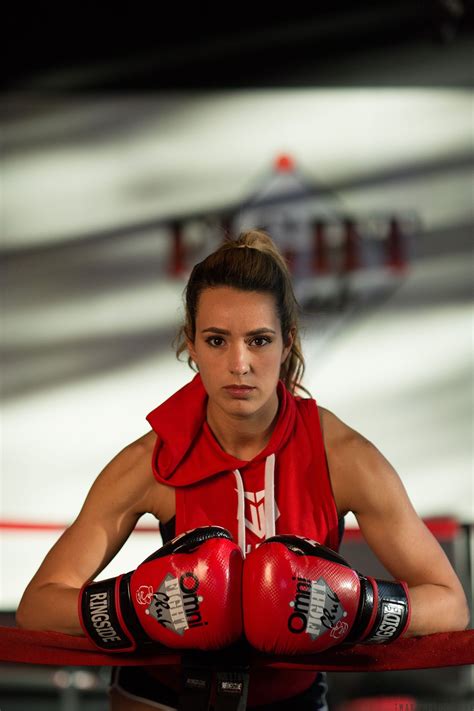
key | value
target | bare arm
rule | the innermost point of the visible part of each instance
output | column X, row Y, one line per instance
column 115, row 502
column 365, row 483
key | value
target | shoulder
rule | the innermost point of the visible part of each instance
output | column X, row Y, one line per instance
column 145, row 444
column 129, row 475
column 336, row 433
column 135, row 456
column 354, row 462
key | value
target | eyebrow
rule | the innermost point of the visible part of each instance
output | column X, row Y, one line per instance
column 224, row 332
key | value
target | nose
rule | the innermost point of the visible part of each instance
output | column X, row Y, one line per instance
column 238, row 360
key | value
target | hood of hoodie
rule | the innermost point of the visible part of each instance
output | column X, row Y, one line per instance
column 186, row 451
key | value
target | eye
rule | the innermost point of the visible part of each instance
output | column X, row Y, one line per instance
column 215, row 341
column 260, row 341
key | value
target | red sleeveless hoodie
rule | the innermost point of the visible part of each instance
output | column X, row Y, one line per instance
column 283, row 489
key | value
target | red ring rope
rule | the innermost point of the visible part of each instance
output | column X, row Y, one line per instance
column 443, row 649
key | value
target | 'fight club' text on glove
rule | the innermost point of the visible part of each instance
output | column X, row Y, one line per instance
column 302, row 597
column 186, row 595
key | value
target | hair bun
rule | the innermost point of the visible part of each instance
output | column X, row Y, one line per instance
column 261, row 240
column 256, row 239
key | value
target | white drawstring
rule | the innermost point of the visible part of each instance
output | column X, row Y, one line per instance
column 269, row 503
column 270, row 496
column 240, row 511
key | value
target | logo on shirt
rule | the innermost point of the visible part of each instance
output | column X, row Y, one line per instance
column 255, row 509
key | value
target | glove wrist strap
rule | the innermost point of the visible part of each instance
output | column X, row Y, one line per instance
column 101, row 616
column 392, row 607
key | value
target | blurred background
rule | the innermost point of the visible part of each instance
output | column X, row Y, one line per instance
column 130, row 147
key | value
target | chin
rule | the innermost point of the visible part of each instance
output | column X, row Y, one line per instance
column 245, row 408
column 241, row 406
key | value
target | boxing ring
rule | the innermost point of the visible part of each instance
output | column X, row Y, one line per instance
column 33, row 650
column 433, row 651
column 29, row 650
column 443, row 649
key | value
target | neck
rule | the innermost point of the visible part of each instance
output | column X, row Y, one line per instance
column 242, row 437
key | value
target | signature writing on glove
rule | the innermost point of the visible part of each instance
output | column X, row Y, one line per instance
column 176, row 604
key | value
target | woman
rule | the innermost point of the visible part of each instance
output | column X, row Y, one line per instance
column 238, row 448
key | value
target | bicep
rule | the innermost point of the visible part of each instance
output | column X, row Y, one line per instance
column 389, row 522
column 109, row 514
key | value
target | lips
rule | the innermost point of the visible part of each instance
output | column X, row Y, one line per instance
column 239, row 390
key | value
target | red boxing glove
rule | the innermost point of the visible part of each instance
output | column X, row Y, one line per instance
column 186, row 595
column 300, row 597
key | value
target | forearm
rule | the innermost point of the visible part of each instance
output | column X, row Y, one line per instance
column 51, row 607
column 436, row 608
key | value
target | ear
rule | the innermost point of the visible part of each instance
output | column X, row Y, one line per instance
column 191, row 349
column 288, row 344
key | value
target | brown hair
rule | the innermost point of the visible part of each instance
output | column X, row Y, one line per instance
column 251, row 262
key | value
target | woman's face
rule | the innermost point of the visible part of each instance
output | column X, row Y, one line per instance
column 238, row 348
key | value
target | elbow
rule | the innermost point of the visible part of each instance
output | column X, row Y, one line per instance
column 49, row 607
column 25, row 616
column 21, row 617
column 460, row 614
column 465, row 615
column 25, row 619
column 28, row 619
column 438, row 608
